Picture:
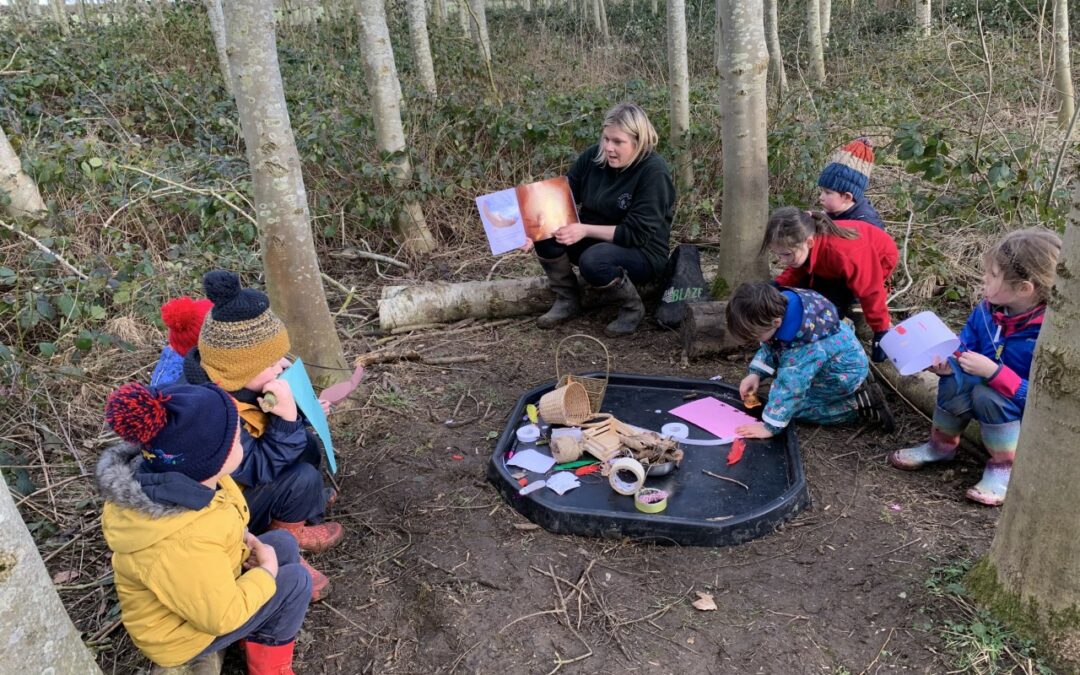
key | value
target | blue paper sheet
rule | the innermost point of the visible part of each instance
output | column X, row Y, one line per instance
column 308, row 403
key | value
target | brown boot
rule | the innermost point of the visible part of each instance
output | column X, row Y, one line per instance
column 312, row 538
column 563, row 283
column 631, row 310
column 320, row 583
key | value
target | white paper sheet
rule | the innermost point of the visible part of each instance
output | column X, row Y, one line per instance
column 531, row 460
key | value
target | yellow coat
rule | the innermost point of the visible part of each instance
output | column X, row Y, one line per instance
column 177, row 570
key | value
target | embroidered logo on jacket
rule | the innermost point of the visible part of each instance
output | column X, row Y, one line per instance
column 624, row 201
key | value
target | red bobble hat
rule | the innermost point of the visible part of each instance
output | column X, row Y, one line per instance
column 184, row 318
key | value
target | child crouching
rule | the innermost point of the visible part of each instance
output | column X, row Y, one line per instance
column 191, row 580
column 988, row 381
column 819, row 367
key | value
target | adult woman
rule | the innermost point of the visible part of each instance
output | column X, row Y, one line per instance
column 625, row 199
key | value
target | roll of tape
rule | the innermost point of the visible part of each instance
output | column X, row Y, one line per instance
column 621, row 465
column 529, row 433
column 650, row 500
column 676, row 430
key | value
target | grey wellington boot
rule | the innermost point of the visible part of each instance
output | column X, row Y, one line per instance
column 631, row 309
column 563, row 283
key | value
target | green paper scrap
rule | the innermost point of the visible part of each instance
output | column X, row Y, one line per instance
column 304, row 395
column 574, row 465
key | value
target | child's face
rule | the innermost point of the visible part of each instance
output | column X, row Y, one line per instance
column 268, row 374
column 998, row 291
column 236, row 455
column 794, row 256
column 835, row 202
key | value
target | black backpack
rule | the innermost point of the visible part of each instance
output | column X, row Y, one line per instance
column 683, row 283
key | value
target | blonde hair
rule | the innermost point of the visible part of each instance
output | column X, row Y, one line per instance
column 1027, row 255
column 632, row 121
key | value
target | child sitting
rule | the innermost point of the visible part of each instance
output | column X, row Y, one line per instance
column 988, row 381
column 843, row 184
column 191, row 580
column 183, row 317
column 819, row 367
column 242, row 349
column 845, row 261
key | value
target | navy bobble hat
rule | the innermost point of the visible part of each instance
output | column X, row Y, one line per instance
column 184, row 428
column 849, row 168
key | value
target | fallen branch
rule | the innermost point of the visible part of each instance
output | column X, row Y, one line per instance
column 355, row 253
column 413, row 355
column 59, row 258
column 730, row 480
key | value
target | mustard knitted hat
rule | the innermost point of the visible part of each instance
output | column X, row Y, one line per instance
column 241, row 336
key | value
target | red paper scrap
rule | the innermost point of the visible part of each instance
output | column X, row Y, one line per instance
column 457, row 456
column 586, row 470
column 738, row 446
column 523, row 482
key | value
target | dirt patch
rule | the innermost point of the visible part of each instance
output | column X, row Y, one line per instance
column 436, row 578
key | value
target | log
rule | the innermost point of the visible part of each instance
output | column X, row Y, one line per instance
column 446, row 303
column 704, row 331
column 920, row 390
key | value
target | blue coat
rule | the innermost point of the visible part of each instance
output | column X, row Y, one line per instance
column 861, row 210
column 1007, row 340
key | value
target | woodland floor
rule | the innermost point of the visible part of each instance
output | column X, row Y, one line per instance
column 435, row 577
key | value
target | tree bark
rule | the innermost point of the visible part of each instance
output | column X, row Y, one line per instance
column 21, row 190
column 217, row 31
column 463, row 17
column 679, row 76
column 384, row 86
column 826, row 21
column 478, row 27
column 743, row 70
column 776, row 57
column 654, row 7
column 923, row 15
column 293, row 278
column 60, row 14
column 604, row 30
column 439, row 12
column 1063, row 83
column 421, row 47
column 703, row 331
column 814, row 41
column 31, row 614
column 444, row 303
column 1036, row 549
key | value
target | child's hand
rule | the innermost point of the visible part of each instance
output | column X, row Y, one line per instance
column 285, row 407
column 974, row 363
column 265, row 556
column 749, row 385
column 757, row 430
column 325, row 407
column 940, row 367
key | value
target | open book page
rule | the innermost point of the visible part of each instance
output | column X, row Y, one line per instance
column 534, row 210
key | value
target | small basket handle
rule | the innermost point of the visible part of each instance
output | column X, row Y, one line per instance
column 607, row 354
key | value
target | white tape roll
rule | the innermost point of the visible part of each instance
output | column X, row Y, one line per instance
column 621, row 465
column 528, row 433
column 676, row 430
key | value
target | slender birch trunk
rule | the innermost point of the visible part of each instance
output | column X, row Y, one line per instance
column 744, row 67
column 421, row 47
column 604, row 21
column 1034, row 561
column 776, row 56
column 463, row 17
column 922, row 17
column 439, row 12
column 382, row 80
column 293, row 277
column 217, row 31
column 654, row 7
column 33, row 621
column 478, row 27
column 826, row 21
column 813, row 38
column 679, row 77
column 1063, row 83
column 25, row 200
column 59, row 11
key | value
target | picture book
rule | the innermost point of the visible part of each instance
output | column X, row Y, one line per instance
column 532, row 211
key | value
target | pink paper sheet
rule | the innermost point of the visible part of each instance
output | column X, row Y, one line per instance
column 714, row 416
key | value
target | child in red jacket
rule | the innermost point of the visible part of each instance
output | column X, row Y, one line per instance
column 845, row 260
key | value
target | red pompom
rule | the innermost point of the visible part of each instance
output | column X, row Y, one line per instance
column 184, row 318
column 136, row 413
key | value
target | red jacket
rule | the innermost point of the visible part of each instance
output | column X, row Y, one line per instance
column 864, row 264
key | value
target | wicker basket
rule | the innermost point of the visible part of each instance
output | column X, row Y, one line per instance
column 594, row 386
column 568, row 404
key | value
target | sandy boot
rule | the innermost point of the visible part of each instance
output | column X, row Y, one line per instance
column 1000, row 441
column 563, row 283
column 944, row 439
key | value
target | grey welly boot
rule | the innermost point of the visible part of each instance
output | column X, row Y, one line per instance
column 631, row 309
column 563, row 283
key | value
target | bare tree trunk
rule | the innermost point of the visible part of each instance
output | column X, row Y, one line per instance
column 21, row 190
column 478, row 27
column 463, row 17
column 439, row 7
column 421, row 48
column 382, row 79
column 654, row 7
column 923, row 15
column 744, row 68
column 679, row 77
column 826, row 20
column 814, row 42
column 217, row 31
column 776, row 56
column 32, row 618
column 1034, row 561
column 1063, row 63
column 293, row 278
column 604, row 21
column 60, row 15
